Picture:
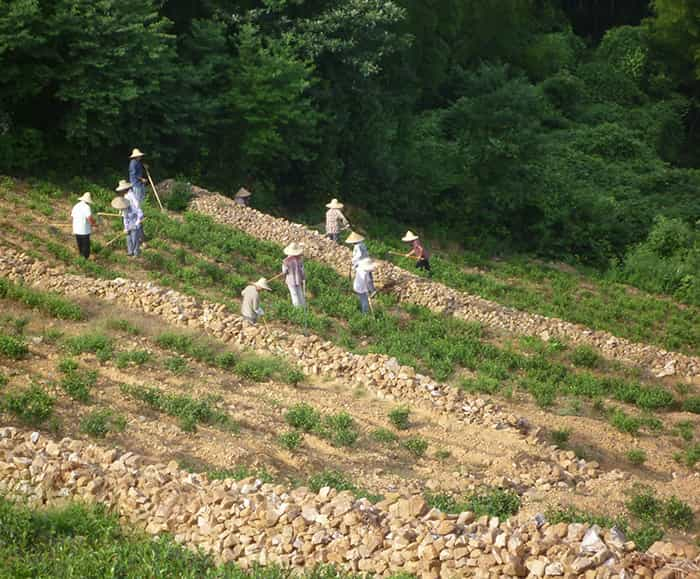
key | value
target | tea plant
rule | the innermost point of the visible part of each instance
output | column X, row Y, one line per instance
column 560, row 437
column 13, row 347
column 291, row 440
column 47, row 302
column 98, row 344
column 672, row 512
column 692, row 404
column 33, row 406
column 77, row 383
column 637, row 456
column 99, row 423
column 488, row 501
column 175, row 364
column 338, row 481
column 304, row 417
column 384, row 435
column 399, row 417
column 189, row 410
column 132, row 358
column 416, row 445
column 585, row 357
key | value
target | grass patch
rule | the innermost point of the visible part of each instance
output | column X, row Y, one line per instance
column 671, row 512
column 399, row 417
column 132, row 358
column 290, row 440
column 50, row 303
column 488, row 501
column 690, row 456
column 99, row 423
column 13, row 347
column 339, row 429
column 692, row 404
column 75, row 382
column 121, row 325
column 32, row 406
column 188, row 410
column 685, row 429
column 304, row 417
column 338, row 481
column 637, row 456
column 560, row 437
column 585, row 357
column 87, row 541
column 175, row 364
column 95, row 343
column 416, row 445
column 384, row 435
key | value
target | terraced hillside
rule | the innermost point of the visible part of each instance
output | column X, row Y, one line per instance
column 150, row 356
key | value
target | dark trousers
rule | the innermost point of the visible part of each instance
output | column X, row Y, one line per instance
column 423, row 264
column 83, row 245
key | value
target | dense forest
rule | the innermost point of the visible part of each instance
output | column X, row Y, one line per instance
column 568, row 128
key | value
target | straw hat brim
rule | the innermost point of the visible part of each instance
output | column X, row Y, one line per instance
column 293, row 252
column 87, row 198
column 136, row 154
column 354, row 238
column 262, row 284
column 119, row 203
column 335, row 205
column 242, row 192
column 123, row 187
column 410, row 236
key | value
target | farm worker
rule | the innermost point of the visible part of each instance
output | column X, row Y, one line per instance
column 83, row 222
column 136, row 175
column 359, row 249
column 136, row 204
column 133, row 217
column 293, row 270
column 250, row 307
column 364, row 283
column 417, row 251
column 243, row 197
column 334, row 219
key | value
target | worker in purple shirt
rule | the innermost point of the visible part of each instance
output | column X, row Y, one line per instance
column 418, row 252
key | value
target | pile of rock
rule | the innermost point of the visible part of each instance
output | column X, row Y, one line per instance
column 382, row 375
column 436, row 296
column 253, row 523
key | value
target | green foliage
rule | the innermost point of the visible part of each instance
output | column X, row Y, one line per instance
column 690, row 456
column 384, row 435
column 304, row 417
column 560, row 437
column 637, row 456
column 176, row 364
column 685, row 430
column 488, row 501
column 13, row 347
column 672, row 512
column 33, row 406
column 47, row 302
column 77, row 383
column 132, row 358
column 122, row 325
column 692, row 404
column 399, row 417
column 416, row 445
column 99, row 423
column 339, row 429
column 338, row 481
column 95, row 343
column 178, row 196
column 87, row 541
column 189, row 410
column 291, row 440
column 586, row 357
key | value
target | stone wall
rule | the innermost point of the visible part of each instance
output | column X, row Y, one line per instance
column 378, row 373
column 436, row 296
column 253, row 523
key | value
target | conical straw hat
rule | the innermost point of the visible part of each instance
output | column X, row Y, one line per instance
column 366, row 264
column 354, row 238
column 410, row 236
column 123, row 186
column 119, row 203
column 86, row 197
column 334, row 204
column 262, row 284
column 293, row 249
column 136, row 153
column 243, row 192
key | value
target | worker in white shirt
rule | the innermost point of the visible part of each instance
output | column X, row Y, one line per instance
column 83, row 222
column 250, row 307
column 364, row 283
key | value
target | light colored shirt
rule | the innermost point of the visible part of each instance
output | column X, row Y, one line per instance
column 293, row 269
column 241, row 201
column 250, row 307
column 80, row 213
column 364, row 283
column 359, row 251
column 132, row 216
column 334, row 217
column 132, row 199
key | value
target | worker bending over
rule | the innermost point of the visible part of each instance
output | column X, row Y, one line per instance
column 418, row 252
column 335, row 220
column 250, row 306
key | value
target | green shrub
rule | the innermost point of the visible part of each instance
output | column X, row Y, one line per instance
column 399, row 417
column 226, row 360
column 645, row 536
column 690, row 456
column 493, row 502
column 124, row 326
column 443, row 501
column 175, row 364
column 482, row 384
column 685, row 430
column 78, row 383
column 442, row 454
column 339, row 429
column 240, row 472
column 384, row 435
column 646, row 506
column 585, row 357
column 692, row 404
column 304, row 417
column 560, row 437
column 49, row 303
column 178, row 197
column 624, row 422
column 416, row 445
column 99, row 423
column 291, row 440
column 32, row 406
column 98, row 344
column 132, row 358
column 293, row 376
column 13, row 347
column 258, row 368
column 637, row 456
column 338, row 481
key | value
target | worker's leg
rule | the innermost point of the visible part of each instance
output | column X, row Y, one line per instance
column 364, row 302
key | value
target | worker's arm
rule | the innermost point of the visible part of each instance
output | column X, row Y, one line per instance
column 91, row 221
